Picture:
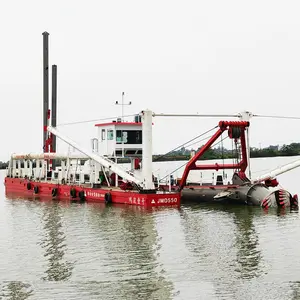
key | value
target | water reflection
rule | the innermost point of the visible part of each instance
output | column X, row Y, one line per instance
column 280, row 211
column 16, row 290
column 131, row 245
column 224, row 244
column 295, row 287
column 249, row 256
column 53, row 243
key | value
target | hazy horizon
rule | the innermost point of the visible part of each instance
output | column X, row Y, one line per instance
column 171, row 57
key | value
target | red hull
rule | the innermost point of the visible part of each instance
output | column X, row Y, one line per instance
column 19, row 185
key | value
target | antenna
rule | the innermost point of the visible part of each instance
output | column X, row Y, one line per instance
column 122, row 103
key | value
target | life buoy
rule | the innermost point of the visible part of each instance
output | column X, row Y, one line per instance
column 28, row 186
column 36, row 189
column 81, row 195
column 73, row 193
column 54, row 192
column 107, row 198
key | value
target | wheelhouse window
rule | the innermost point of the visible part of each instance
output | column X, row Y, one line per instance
column 119, row 136
column 103, row 134
column 110, row 134
column 129, row 136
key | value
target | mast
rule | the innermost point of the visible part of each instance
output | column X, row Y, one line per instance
column 45, row 88
column 122, row 104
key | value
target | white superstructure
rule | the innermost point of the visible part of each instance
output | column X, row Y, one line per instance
column 115, row 140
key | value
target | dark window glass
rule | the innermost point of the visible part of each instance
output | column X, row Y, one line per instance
column 129, row 136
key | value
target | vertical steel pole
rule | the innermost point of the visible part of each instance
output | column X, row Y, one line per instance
column 54, row 110
column 45, row 88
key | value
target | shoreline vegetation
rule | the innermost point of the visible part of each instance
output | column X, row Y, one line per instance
column 216, row 153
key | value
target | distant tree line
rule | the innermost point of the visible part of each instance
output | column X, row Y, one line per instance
column 3, row 165
column 216, row 153
column 223, row 153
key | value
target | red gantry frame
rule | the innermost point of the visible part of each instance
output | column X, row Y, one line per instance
column 236, row 130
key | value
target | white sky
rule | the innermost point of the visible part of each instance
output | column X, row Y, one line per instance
column 168, row 56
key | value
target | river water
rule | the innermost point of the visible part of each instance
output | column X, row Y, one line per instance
column 66, row 250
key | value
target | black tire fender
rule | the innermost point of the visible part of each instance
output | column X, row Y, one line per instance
column 36, row 189
column 108, row 198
